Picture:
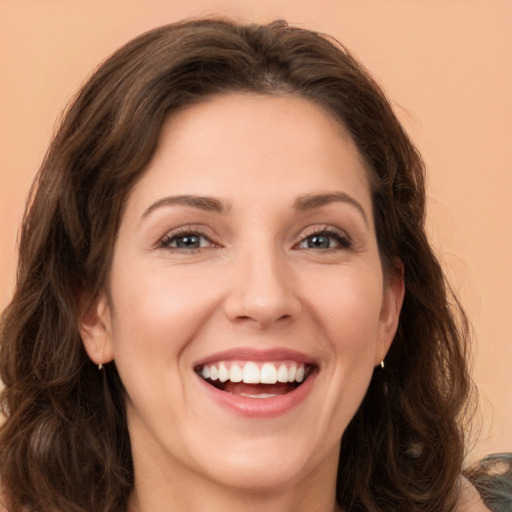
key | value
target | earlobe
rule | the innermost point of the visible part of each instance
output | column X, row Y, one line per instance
column 94, row 325
column 393, row 298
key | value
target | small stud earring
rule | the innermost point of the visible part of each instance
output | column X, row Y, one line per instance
column 382, row 364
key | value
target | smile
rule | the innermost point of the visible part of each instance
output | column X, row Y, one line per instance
column 255, row 379
column 257, row 383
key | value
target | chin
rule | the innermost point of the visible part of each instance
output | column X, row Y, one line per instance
column 268, row 465
column 266, row 475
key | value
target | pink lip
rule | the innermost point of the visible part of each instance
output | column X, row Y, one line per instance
column 259, row 407
column 251, row 354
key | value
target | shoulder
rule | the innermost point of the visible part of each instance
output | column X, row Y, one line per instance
column 492, row 477
column 469, row 498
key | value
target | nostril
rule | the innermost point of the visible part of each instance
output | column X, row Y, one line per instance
column 263, row 299
column 263, row 321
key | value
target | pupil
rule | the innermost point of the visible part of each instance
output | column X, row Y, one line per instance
column 319, row 241
column 188, row 241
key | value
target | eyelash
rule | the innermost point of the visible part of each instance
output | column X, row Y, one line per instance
column 340, row 237
column 169, row 238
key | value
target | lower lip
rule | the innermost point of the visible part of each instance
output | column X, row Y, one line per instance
column 260, row 407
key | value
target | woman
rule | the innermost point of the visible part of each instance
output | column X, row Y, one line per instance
column 226, row 298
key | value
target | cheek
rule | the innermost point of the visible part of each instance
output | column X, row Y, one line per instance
column 347, row 306
column 157, row 312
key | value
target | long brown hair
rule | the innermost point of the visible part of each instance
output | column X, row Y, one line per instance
column 65, row 444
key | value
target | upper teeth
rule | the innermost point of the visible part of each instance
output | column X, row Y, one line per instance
column 252, row 373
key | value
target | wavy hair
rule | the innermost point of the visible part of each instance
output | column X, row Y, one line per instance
column 64, row 445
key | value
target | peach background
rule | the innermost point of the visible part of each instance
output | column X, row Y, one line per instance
column 447, row 65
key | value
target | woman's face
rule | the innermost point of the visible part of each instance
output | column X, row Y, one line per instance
column 247, row 252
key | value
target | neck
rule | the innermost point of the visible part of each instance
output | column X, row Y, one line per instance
column 250, row 480
column 232, row 501
column 165, row 490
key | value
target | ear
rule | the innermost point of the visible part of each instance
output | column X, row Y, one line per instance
column 95, row 327
column 393, row 297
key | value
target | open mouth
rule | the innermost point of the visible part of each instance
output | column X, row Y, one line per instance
column 255, row 379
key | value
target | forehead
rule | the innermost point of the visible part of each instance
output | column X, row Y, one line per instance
column 250, row 146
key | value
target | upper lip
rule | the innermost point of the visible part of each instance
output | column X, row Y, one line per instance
column 254, row 354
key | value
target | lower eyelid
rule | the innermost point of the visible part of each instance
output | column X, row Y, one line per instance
column 342, row 240
column 166, row 241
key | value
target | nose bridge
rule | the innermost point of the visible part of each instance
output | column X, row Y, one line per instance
column 263, row 291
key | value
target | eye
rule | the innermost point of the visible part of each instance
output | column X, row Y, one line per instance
column 326, row 239
column 186, row 241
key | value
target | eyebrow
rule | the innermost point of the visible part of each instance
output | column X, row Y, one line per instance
column 207, row 204
column 311, row 201
column 212, row 204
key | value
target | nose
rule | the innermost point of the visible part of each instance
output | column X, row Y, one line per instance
column 263, row 291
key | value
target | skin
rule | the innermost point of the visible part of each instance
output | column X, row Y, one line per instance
column 254, row 282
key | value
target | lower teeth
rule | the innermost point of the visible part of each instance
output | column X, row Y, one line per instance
column 261, row 395
column 254, row 390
